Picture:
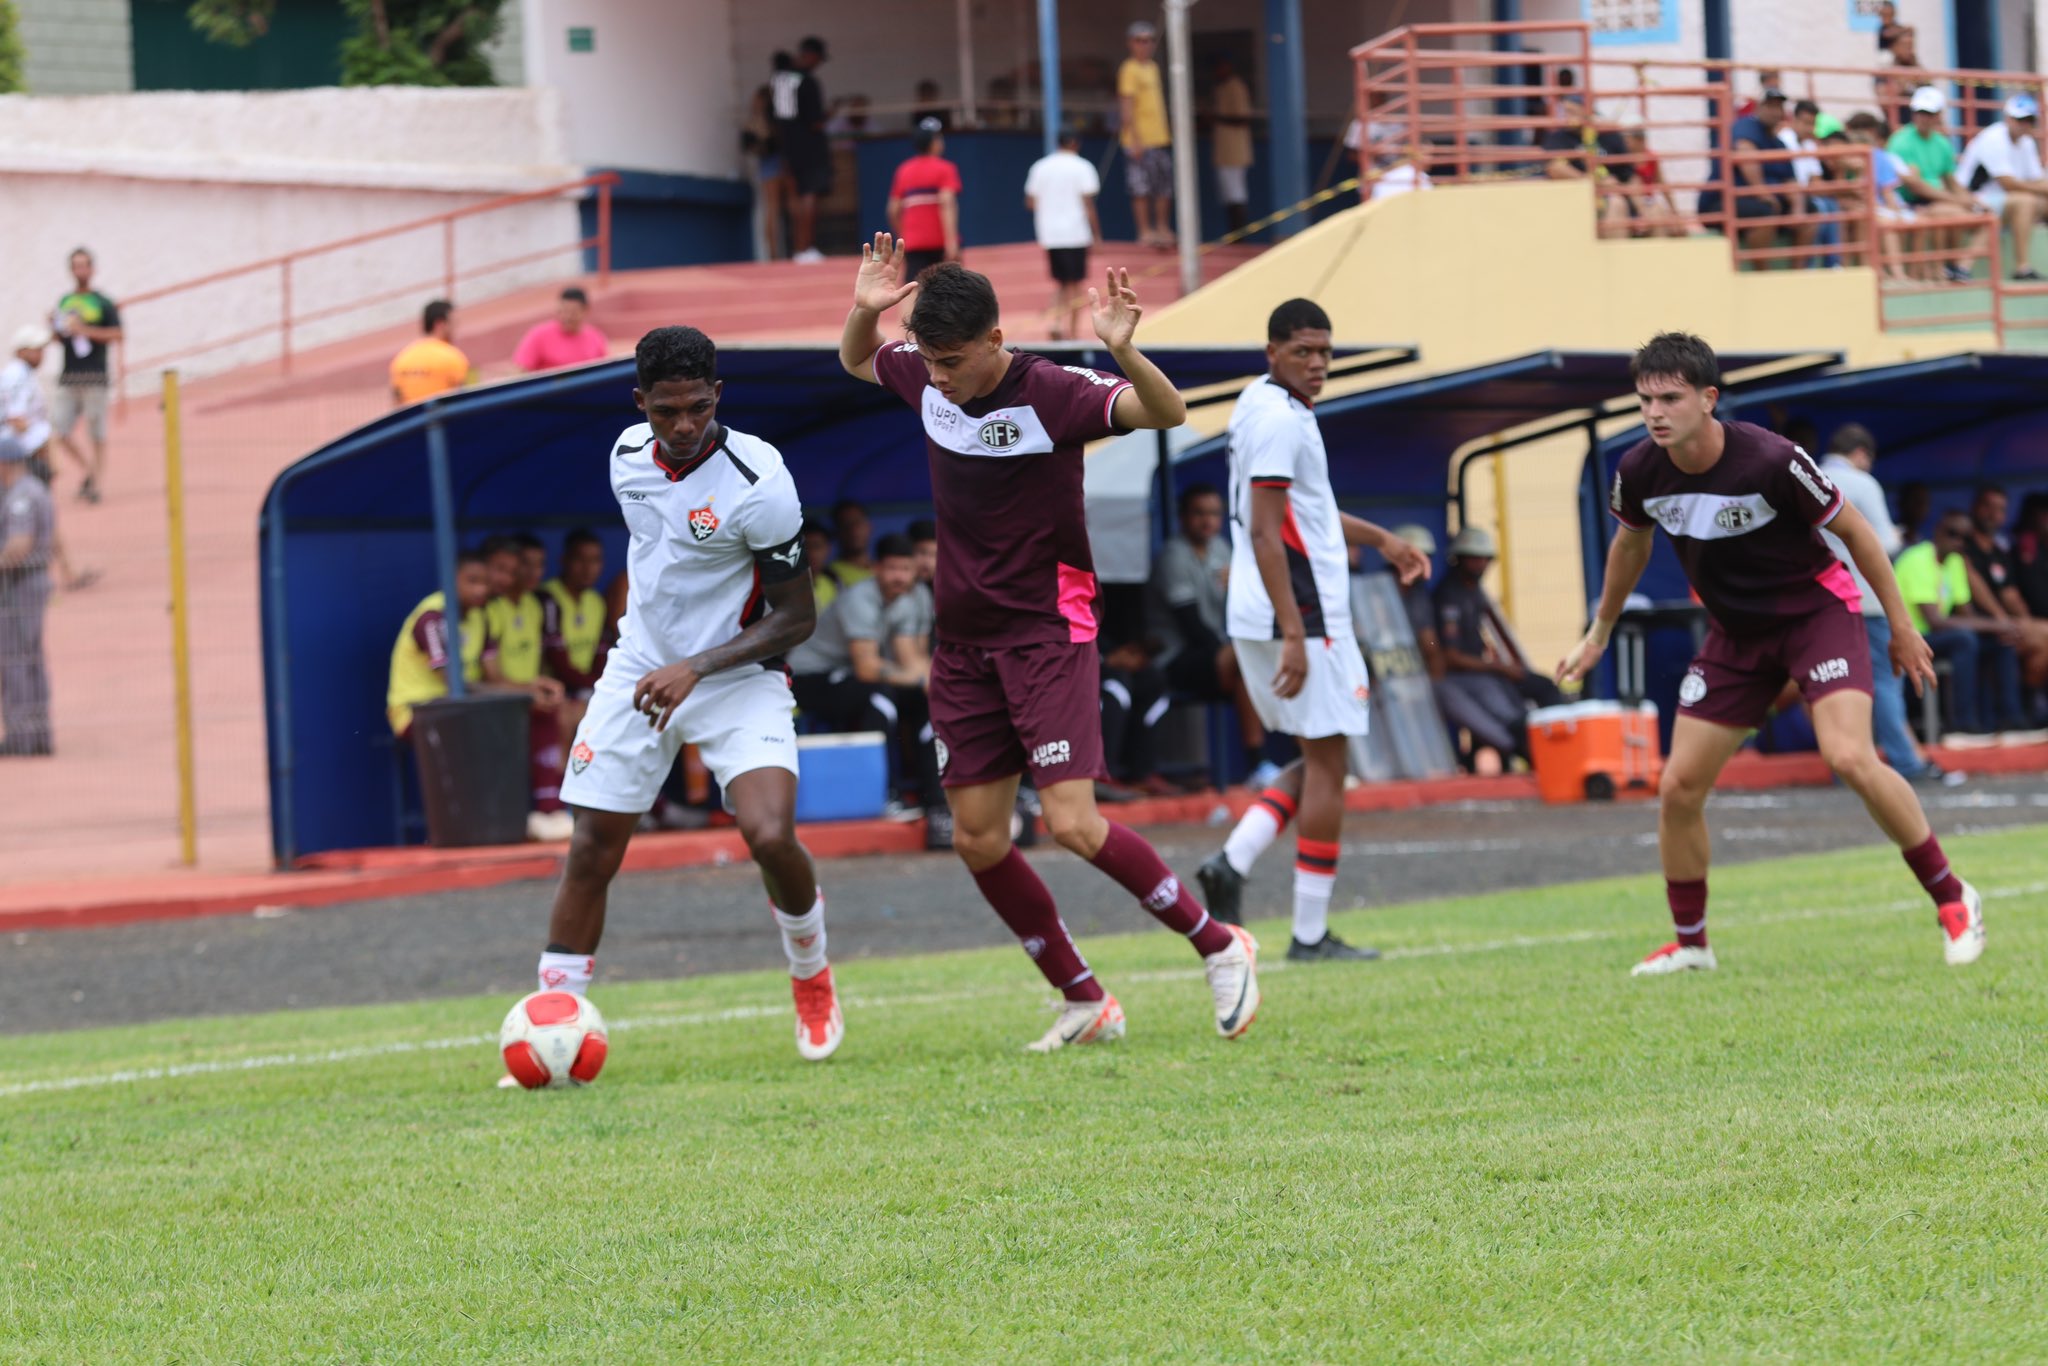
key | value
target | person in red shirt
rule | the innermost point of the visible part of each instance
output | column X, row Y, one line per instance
column 924, row 206
column 565, row 339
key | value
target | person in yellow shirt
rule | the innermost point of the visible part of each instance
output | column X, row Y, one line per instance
column 1146, row 138
column 1230, row 110
column 422, row 653
column 516, row 565
column 430, row 365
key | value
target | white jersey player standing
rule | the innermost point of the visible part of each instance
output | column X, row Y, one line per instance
column 719, row 591
column 1288, row 611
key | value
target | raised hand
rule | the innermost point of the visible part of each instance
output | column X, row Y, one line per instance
column 875, row 287
column 1115, row 308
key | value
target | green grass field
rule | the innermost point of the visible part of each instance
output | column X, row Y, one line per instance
column 1494, row 1145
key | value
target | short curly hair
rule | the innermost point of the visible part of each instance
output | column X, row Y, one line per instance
column 954, row 306
column 674, row 353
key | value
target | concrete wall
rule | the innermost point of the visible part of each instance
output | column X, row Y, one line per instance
column 167, row 187
column 76, row 47
column 656, row 93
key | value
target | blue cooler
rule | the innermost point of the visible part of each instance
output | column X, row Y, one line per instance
column 844, row 777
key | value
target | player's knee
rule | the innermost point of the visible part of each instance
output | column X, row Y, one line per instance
column 769, row 836
column 1854, row 762
column 1682, row 790
column 980, row 849
column 593, row 856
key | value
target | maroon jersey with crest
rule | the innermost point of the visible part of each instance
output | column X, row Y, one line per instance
column 1747, row 530
column 1014, row 564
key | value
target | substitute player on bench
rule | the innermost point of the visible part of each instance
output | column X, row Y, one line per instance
column 1743, row 508
column 1015, row 672
column 719, row 591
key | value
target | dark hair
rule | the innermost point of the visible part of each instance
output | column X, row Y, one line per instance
column 2033, row 508
column 1985, row 490
column 575, row 294
column 895, row 546
column 812, row 44
column 817, row 526
column 1294, row 315
column 674, row 353
column 526, row 540
column 497, row 545
column 1070, row 137
column 1865, row 121
column 782, row 61
column 1806, row 107
column 86, row 252
column 1852, row 436
column 921, row 530
column 577, row 539
column 1837, row 136
column 1192, row 492
column 928, row 133
column 477, row 556
column 1679, row 355
column 436, row 313
column 846, row 505
column 954, row 306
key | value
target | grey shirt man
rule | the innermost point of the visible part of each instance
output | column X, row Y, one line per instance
column 1187, row 577
column 27, row 523
column 859, row 613
column 1866, row 495
column 26, row 510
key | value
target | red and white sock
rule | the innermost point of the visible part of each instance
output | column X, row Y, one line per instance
column 1688, row 903
column 803, row 938
column 1930, row 865
column 569, row 972
column 1315, row 879
column 1256, row 830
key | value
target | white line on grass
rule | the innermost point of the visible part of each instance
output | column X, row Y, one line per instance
column 401, row 1047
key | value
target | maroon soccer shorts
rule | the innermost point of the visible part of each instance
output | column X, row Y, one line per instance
column 1734, row 679
column 997, row 712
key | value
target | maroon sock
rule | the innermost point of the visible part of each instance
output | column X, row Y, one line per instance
column 1688, row 902
column 1024, row 902
column 1930, row 865
column 1137, row 867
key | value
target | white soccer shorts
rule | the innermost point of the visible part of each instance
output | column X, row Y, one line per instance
column 1331, row 702
column 739, row 721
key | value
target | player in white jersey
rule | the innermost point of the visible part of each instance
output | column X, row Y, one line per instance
column 1288, row 611
column 719, row 590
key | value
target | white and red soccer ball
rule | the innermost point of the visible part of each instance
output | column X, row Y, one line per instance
column 553, row 1038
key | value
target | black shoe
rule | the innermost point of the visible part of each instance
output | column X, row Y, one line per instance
column 1934, row 775
column 1329, row 949
column 1222, row 889
column 2026, row 276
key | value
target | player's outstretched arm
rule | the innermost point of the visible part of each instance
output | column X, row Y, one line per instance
column 1911, row 655
column 875, row 292
column 1151, row 402
column 792, row 616
column 1627, row 557
column 1409, row 564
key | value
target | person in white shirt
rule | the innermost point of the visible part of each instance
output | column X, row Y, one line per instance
column 23, row 408
column 1060, row 191
column 2002, row 167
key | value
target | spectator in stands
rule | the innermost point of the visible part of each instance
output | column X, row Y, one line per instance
column 850, row 562
column 22, row 409
column 1897, row 85
column 421, row 654
column 1996, row 595
column 1866, row 130
column 799, row 109
column 1133, row 701
column 1230, row 145
column 1146, row 137
column 565, row 339
column 866, row 667
column 1060, row 191
column 517, row 564
column 1915, row 502
column 88, row 322
column 1801, row 133
column 432, row 365
column 1888, row 26
column 1579, row 144
column 1482, row 672
column 1768, row 78
column 1852, row 450
column 2002, row 167
column 28, row 528
column 1934, row 580
column 1924, row 147
column 2030, row 553
column 771, row 178
column 1187, row 618
column 575, row 635
column 924, row 203
column 924, row 542
column 1651, row 212
column 1765, row 189
column 931, row 105
column 818, row 554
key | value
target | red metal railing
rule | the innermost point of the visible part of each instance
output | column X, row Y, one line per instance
column 451, row 272
column 1468, row 114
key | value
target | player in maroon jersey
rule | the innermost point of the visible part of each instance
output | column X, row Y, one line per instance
column 1015, row 670
column 1743, row 508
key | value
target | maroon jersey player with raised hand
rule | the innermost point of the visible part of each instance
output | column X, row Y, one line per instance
column 1015, row 674
column 1743, row 508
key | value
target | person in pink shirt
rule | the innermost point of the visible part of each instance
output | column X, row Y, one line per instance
column 564, row 339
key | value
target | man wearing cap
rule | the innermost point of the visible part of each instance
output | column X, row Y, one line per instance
column 924, row 203
column 1930, row 154
column 797, row 101
column 28, row 525
column 23, row 410
column 1758, row 132
column 1484, row 677
column 2002, row 167
column 1147, row 138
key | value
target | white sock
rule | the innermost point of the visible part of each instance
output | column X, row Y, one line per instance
column 803, row 938
column 1312, row 904
column 1256, row 830
column 567, row 972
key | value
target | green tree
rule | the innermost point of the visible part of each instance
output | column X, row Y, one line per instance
column 397, row 42
column 236, row 23
column 10, row 50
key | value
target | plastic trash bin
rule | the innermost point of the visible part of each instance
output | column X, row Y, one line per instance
column 472, row 758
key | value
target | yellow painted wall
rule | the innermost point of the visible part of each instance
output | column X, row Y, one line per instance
column 1480, row 273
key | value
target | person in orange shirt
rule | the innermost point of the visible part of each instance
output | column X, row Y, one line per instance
column 430, row 365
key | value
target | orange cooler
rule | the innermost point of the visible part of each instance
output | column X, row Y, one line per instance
column 1595, row 750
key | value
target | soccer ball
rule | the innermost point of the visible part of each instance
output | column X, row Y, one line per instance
column 553, row 1038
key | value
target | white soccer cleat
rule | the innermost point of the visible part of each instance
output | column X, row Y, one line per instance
column 1676, row 958
column 1082, row 1022
column 1962, row 925
column 549, row 827
column 1234, row 981
column 819, row 1025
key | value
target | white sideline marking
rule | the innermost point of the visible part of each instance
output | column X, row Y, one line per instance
column 399, row 1048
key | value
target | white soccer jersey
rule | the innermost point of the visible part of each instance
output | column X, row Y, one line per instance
column 707, row 535
column 1275, row 443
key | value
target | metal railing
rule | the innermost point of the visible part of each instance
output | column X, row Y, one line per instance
column 290, row 317
column 1469, row 115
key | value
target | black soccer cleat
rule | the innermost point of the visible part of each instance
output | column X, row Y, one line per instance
column 1330, row 949
column 1222, row 889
